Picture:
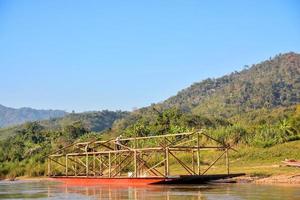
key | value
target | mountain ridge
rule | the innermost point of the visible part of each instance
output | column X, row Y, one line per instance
column 14, row 116
column 270, row 83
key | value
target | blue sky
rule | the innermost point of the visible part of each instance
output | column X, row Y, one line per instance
column 93, row 55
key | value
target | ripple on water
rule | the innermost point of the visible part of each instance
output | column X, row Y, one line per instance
column 52, row 190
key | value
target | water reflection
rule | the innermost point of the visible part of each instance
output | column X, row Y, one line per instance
column 52, row 190
column 135, row 193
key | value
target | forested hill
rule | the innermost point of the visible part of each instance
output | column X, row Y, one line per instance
column 95, row 121
column 271, row 83
column 12, row 116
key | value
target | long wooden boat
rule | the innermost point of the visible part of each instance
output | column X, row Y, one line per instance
column 183, row 179
column 139, row 160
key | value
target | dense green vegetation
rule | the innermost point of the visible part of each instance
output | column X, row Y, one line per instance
column 93, row 121
column 256, row 109
column 270, row 84
column 24, row 146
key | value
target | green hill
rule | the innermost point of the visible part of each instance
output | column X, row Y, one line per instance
column 12, row 116
column 269, row 84
column 95, row 121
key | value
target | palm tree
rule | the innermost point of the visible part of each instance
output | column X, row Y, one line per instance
column 286, row 130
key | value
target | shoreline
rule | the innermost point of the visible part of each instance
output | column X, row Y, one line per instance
column 287, row 180
column 292, row 180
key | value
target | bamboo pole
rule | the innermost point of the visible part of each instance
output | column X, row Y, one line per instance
column 57, row 163
column 109, row 165
column 153, row 170
column 80, row 163
column 189, row 170
column 135, row 163
column 227, row 161
column 182, row 148
column 100, row 165
column 87, row 164
column 213, row 163
column 193, row 159
column 198, row 153
column 167, row 162
column 66, row 165
column 49, row 167
column 94, row 162
column 75, row 166
column 156, row 136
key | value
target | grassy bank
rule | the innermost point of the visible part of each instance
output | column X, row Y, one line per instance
column 254, row 161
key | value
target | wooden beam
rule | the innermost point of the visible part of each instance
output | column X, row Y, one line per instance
column 153, row 170
column 189, row 170
column 80, row 163
column 156, row 136
column 213, row 163
column 201, row 132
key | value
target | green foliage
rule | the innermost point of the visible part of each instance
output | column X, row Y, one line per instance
column 256, row 108
column 74, row 130
column 92, row 121
column 230, row 135
column 269, row 84
column 166, row 122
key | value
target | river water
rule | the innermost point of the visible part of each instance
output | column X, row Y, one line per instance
column 52, row 190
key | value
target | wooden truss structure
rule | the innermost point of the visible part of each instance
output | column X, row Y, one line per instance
column 136, row 157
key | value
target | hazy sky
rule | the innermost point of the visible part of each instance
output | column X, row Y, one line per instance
column 93, row 55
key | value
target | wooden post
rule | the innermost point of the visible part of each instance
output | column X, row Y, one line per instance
column 75, row 158
column 100, row 165
column 66, row 165
column 87, row 164
column 167, row 162
column 119, row 163
column 109, row 165
column 198, row 153
column 49, row 167
column 193, row 160
column 94, row 164
column 227, row 160
column 135, row 157
column 135, row 163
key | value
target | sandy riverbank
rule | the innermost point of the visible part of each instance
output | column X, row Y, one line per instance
column 293, row 179
column 27, row 178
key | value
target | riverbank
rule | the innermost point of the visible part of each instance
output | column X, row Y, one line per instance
column 281, row 179
column 28, row 178
column 275, row 179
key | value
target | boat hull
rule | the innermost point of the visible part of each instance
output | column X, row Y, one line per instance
column 112, row 181
column 184, row 179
